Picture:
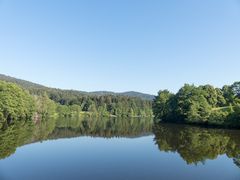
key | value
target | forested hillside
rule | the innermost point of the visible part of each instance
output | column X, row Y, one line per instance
column 25, row 100
column 29, row 85
column 128, row 93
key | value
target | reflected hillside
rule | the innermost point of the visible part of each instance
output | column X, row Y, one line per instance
column 22, row 133
column 196, row 144
column 193, row 144
column 102, row 127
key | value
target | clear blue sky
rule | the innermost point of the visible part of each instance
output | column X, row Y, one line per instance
column 121, row 45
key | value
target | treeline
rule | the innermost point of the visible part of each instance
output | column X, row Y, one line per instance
column 105, row 105
column 73, row 102
column 200, row 105
column 34, row 103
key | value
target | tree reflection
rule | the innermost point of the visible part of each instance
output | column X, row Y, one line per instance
column 22, row 133
column 193, row 144
column 196, row 144
column 14, row 136
column 237, row 161
column 103, row 127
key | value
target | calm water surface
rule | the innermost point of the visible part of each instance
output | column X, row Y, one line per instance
column 117, row 149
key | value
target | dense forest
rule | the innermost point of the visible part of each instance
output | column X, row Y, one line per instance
column 24, row 101
column 205, row 105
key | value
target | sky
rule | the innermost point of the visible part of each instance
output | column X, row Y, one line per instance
column 121, row 45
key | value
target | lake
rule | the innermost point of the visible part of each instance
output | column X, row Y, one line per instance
column 112, row 149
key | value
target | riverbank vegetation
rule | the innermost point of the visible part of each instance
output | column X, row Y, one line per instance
column 36, row 103
column 205, row 105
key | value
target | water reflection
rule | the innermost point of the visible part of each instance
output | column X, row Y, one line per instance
column 237, row 161
column 102, row 127
column 196, row 145
column 13, row 137
column 23, row 133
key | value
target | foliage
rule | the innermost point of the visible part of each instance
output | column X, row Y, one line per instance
column 44, row 106
column 68, row 111
column 104, row 105
column 236, row 89
column 38, row 102
column 192, row 106
column 162, row 105
column 15, row 104
column 200, row 105
column 97, row 103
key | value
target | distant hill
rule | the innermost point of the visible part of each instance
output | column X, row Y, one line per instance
column 30, row 85
column 23, row 83
column 138, row 94
column 128, row 93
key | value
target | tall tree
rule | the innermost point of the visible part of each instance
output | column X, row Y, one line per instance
column 161, row 105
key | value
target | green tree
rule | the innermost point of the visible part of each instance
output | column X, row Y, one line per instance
column 15, row 103
column 236, row 89
column 93, row 109
column 161, row 105
column 45, row 106
column 192, row 106
column 210, row 94
column 228, row 94
column 221, row 101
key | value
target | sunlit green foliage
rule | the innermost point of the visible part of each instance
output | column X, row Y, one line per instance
column 68, row 111
column 100, row 105
column 44, row 106
column 162, row 104
column 15, row 104
column 200, row 105
column 236, row 89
